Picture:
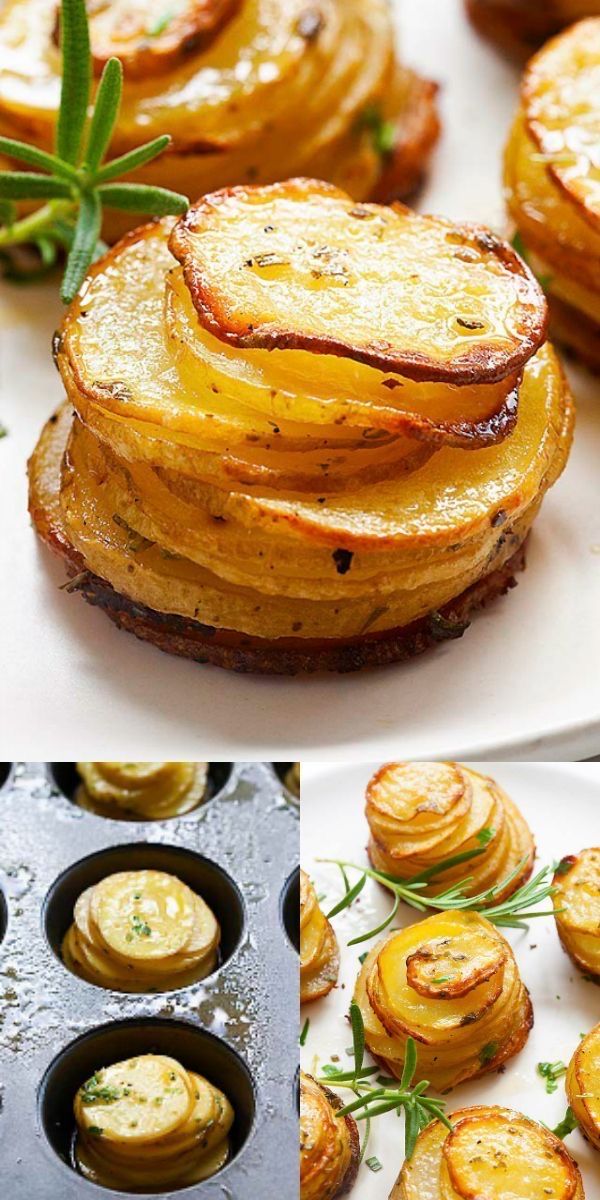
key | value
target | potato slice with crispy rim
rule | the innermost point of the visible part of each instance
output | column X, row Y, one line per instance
column 504, row 1159
column 421, row 813
column 577, row 908
column 561, row 98
column 150, row 37
column 329, row 1148
column 447, row 1166
column 583, row 1085
column 297, row 265
column 319, row 952
column 462, row 982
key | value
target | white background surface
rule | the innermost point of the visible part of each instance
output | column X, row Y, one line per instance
column 562, row 804
column 522, row 683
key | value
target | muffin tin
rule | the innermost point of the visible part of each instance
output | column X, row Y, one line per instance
column 239, row 1026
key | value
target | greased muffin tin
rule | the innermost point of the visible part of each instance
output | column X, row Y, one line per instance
column 239, row 1026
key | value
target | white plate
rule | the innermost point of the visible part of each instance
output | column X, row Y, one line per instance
column 562, row 804
column 522, row 683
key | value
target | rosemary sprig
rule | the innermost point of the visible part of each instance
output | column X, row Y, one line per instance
column 512, row 913
column 74, row 181
column 372, row 1099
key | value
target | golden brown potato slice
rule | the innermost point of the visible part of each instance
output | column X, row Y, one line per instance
column 583, row 1085
column 151, row 36
column 422, row 813
column 469, row 1014
column 329, row 1147
column 491, row 1154
column 561, row 98
column 577, row 908
column 299, row 265
column 486, row 1155
column 319, row 951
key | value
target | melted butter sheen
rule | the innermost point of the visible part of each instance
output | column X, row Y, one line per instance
column 148, row 1125
column 141, row 931
column 152, row 791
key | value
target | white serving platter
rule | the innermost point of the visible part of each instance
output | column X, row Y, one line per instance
column 562, row 804
column 523, row 682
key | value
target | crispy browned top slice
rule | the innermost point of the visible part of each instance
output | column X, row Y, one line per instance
column 299, row 265
column 152, row 36
column 561, row 100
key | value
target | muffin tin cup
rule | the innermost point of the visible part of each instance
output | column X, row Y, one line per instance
column 239, row 1026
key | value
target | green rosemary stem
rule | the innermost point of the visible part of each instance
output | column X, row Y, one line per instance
column 37, row 223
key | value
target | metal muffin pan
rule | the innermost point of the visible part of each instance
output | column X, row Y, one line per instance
column 239, row 1026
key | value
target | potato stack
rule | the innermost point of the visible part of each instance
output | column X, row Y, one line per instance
column 149, row 791
column 319, row 952
column 422, row 813
column 451, row 983
column 141, row 931
column 583, row 1085
column 309, row 433
column 149, row 1125
column 492, row 1152
column 577, row 909
column 552, row 182
column 247, row 89
column 329, row 1146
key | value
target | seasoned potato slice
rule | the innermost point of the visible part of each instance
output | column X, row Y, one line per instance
column 450, row 982
column 153, row 791
column 319, row 951
column 564, row 121
column 459, row 305
column 421, row 813
column 138, row 931
column 577, row 908
column 149, row 38
column 583, row 1085
column 329, row 1147
column 491, row 1154
column 148, row 1124
column 505, row 1158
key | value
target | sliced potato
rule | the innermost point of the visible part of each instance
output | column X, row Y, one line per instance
column 469, row 1012
column 153, row 791
column 329, row 1146
column 565, row 121
column 583, row 1085
column 257, row 280
column 319, row 951
column 149, row 38
column 491, row 1154
column 422, row 813
column 141, row 931
column 577, row 908
column 148, row 1124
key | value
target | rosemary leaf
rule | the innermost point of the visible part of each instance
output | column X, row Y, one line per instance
column 81, row 254
column 76, row 79
column 133, row 159
column 34, row 157
column 106, row 111
column 28, row 185
column 141, row 197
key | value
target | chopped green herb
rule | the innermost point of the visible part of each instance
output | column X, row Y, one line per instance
column 140, row 927
column 373, row 1163
column 567, row 1125
column 442, row 979
column 95, row 1092
column 485, row 835
column 383, row 132
column 3, row 431
column 96, row 1130
column 488, row 1052
column 304, row 1034
column 551, row 1072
